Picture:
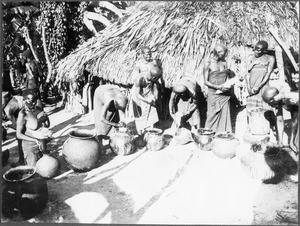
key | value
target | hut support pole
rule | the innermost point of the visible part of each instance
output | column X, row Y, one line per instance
column 284, row 46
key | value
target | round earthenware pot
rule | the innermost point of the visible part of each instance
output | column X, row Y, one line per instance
column 154, row 139
column 81, row 150
column 24, row 193
column 224, row 145
column 47, row 166
column 122, row 141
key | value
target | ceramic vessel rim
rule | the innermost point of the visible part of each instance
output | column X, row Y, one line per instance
column 17, row 169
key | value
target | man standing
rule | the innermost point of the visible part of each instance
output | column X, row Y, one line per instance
column 109, row 104
column 146, row 64
column 215, row 75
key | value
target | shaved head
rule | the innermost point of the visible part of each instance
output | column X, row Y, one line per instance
column 179, row 88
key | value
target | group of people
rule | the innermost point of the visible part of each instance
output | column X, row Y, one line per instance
column 146, row 102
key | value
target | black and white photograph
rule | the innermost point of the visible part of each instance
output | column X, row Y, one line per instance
column 150, row 112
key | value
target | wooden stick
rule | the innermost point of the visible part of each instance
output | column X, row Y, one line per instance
column 284, row 46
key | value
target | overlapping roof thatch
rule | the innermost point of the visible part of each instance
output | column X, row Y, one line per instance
column 181, row 34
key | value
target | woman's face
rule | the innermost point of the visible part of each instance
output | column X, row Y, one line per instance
column 147, row 54
column 258, row 50
column 30, row 101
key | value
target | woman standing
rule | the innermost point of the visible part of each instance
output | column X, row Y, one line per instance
column 32, row 128
column 260, row 66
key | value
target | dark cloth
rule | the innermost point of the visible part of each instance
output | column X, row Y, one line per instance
column 218, row 106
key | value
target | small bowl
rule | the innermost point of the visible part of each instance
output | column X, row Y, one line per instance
column 19, row 173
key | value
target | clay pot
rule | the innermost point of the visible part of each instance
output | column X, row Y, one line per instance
column 24, row 193
column 155, row 71
column 122, row 141
column 224, row 145
column 47, row 166
column 269, row 93
column 258, row 123
column 154, row 139
column 81, row 150
column 204, row 136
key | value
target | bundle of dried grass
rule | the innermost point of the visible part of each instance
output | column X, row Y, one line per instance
column 181, row 35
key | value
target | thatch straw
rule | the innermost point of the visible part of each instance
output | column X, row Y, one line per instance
column 181, row 34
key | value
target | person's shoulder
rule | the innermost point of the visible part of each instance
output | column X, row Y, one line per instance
column 271, row 58
column 22, row 112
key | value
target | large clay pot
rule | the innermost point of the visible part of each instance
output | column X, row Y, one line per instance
column 224, row 145
column 258, row 123
column 122, row 141
column 154, row 139
column 269, row 93
column 81, row 150
column 24, row 193
column 47, row 166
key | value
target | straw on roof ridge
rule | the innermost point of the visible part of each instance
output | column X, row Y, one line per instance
column 181, row 34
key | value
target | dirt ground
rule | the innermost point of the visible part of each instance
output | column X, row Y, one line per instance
column 180, row 184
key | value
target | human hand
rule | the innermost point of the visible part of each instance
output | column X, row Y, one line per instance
column 120, row 124
column 42, row 116
column 255, row 90
column 278, row 97
column 6, row 124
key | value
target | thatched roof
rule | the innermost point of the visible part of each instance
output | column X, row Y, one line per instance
column 181, row 35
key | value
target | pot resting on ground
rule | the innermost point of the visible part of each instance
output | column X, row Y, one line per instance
column 47, row 166
column 122, row 142
column 24, row 193
column 224, row 145
column 81, row 150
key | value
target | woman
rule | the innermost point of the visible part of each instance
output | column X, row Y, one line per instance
column 260, row 66
column 32, row 127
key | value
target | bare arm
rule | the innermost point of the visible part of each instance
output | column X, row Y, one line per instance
column 192, row 108
column 247, row 77
column 171, row 105
column 103, row 114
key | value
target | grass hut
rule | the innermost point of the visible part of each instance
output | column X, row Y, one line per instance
column 182, row 35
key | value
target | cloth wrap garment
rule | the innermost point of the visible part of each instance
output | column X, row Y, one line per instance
column 145, row 114
column 218, row 108
column 257, row 74
column 31, row 152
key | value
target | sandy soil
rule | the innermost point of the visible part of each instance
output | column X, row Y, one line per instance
column 180, row 184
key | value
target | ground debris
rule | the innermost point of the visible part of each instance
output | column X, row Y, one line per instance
column 287, row 216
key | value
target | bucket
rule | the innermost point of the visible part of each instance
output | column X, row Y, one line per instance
column 258, row 123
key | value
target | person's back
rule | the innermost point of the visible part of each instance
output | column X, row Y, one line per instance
column 103, row 95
